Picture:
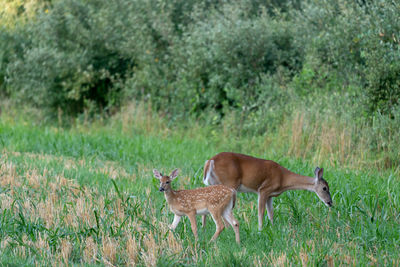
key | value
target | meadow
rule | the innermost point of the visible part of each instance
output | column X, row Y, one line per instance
column 95, row 94
column 85, row 195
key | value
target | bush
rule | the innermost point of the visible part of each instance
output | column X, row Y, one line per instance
column 356, row 42
column 79, row 53
column 381, row 51
column 14, row 16
column 187, row 57
column 219, row 61
column 7, row 50
column 383, row 80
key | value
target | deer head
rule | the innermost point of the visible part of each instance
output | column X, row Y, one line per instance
column 321, row 187
column 165, row 181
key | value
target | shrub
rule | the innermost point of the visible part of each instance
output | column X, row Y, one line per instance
column 330, row 33
column 219, row 61
column 381, row 51
column 356, row 41
column 7, row 50
column 383, row 81
column 188, row 57
column 14, row 15
column 79, row 53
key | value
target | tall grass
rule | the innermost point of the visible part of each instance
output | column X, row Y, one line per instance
column 85, row 195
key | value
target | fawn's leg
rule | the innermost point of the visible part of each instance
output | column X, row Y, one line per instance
column 174, row 224
column 193, row 223
column 219, row 224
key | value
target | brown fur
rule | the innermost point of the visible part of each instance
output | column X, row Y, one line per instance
column 265, row 177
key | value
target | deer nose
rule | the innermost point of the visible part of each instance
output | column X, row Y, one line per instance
column 329, row 203
column 161, row 189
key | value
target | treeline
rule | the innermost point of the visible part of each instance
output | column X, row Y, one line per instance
column 190, row 56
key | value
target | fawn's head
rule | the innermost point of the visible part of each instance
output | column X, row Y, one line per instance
column 165, row 181
column 321, row 187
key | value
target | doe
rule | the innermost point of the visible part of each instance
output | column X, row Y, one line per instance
column 266, row 178
column 218, row 200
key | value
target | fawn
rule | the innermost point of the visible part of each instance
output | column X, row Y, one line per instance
column 218, row 200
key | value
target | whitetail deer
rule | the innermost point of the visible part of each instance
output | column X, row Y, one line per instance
column 266, row 178
column 218, row 200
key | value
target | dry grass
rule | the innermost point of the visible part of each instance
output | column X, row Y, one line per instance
column 151, row 252
column 109, row 250
column 90, row 250
column 303, row 257
column 332, row 142
column 60, row 202
column 65, row 251
column 132, row 251
column 278, row 259
column 141, row 115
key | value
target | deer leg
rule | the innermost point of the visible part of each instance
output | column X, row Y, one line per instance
column 226, row 222
column 193, row 223
column 203, row 221
column 262, row 199
column 174, row 224
column 228, row 216
column 270, row 210
column 218, row 223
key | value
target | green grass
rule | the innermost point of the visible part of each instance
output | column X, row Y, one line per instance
column 96, row 187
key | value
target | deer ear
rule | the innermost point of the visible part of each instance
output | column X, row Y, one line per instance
column 318, row 172
column 174, row 173
column 157, row 174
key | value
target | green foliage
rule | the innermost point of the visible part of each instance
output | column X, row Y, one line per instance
column 79, row 53
column 224, row 58
column 382, row 56
column 14, row 18
column 7, row 50
column 359, row 42
column 330, row 30
column 383, row 79
column 220, row 61
column 246, row 64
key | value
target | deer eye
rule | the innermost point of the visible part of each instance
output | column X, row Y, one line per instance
column 167, row 182
column 324, row 188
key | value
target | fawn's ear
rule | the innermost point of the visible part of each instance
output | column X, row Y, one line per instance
column 173, row 174
column 318, row 172
column 157, row 174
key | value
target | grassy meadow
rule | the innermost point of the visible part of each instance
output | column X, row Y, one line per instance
column 85, row 195
column 95, row 94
